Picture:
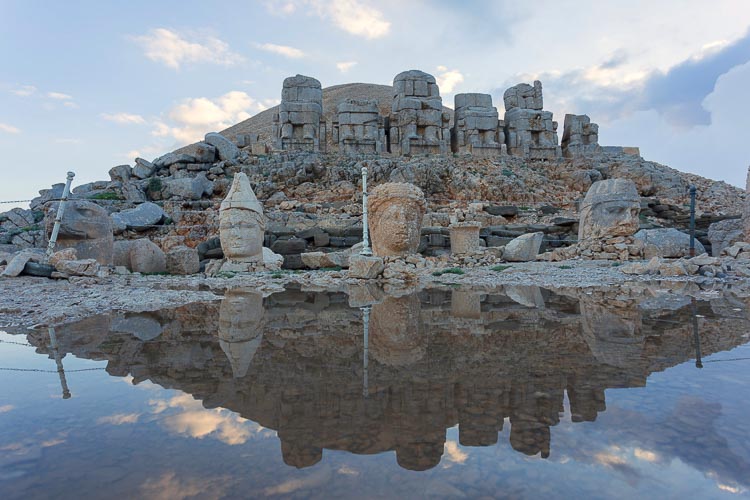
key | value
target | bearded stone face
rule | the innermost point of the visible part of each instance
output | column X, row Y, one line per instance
column 611, row 218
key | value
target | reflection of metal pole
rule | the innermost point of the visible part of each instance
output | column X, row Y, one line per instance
column 692, row 221
column 58, row 362
column 365, row 230
column 59, row 216
column 366, row 317
column 696, row 337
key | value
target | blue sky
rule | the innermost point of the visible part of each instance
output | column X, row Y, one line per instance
column 89, row 85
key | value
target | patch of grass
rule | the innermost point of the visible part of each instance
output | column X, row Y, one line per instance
column 507, row 172
column 154, row 184
column 500, row 268
column 277, row 275
column 30, row 228
column 450, row 270
column 156, row 274
column 168, row 221
column 616, row 264
column 225, row 274
column 105, row 196
column 335, row 268
column 565, row 266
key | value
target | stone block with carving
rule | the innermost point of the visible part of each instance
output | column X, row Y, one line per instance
column 299, row 124
column 529, row 131
column 477, row 127
column 464, row 237
column 359, row 127
column 610, row 208
column 418, row 124
column 580, row 136
column 396, row 210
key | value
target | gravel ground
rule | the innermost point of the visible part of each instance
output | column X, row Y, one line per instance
column 29, row 301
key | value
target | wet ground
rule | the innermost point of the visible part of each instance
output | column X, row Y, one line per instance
column 520, row 392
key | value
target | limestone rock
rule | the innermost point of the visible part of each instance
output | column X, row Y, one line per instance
column 141, row 218
column 143, row 169
column 189, row 188
column 79, row 267
column 580, row 136
column 529, row 131
column 396, row 211
column 272, row 260
column 86, row 227
column 144, row 328
column 62, row 255
column 203, row 152
column 365, row 267
column 610, row 208
column 140, row 256
column 724, row 233
column 18, row 262
column 746, row 211
column 241, row 222
column 525, row 248
column 170, row 159
column 120, row 173
column 224, row 147
column 667, row 243
column 183, row 260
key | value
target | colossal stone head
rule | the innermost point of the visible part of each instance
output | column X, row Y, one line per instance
column 610, row 208
column 241, row 222
column 396, row 210
column 86, row 227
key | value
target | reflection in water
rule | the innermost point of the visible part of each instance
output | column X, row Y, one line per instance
column 369, row 372
column 58, row 361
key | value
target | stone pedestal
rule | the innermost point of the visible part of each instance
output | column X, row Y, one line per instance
column 464, row 237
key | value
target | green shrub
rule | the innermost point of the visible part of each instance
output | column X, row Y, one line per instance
column 105, row 196
column 565, row 266
column 450, row 270
column 335, row 268
column 154, row 184
column 500, row 268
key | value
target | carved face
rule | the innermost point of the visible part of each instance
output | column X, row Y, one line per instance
column 396, row 227
column 610, row 218
column 395, row 337
column 82, row 220
column 241, row 234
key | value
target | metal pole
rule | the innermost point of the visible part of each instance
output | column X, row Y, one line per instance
column 59, row 216
column 696, row 337
column 692, row 221
column 365, row 230
column 58, row 362
column 365, row 361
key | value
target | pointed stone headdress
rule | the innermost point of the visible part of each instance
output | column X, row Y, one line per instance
column 241, row 196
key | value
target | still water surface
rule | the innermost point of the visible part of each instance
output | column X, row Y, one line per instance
column 522, row 393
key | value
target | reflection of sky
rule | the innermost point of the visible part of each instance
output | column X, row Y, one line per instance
column 685, row 433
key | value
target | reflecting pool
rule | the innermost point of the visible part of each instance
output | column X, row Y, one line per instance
column 518, row 393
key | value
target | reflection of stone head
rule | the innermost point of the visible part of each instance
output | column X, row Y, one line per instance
column 422, row 455
column 241, row 324
column 610, row 208
column 241, row 222
column 395, row 337
column 82, row 220
column 299, row 454
column 396, row 210
column 613, row 334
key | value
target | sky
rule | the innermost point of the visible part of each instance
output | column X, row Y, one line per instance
column 88, row 85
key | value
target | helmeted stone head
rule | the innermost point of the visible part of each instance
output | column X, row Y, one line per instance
column 610, row 208
column 241, row 326
column 395, row 210
column 86, row 227
column 241, row 222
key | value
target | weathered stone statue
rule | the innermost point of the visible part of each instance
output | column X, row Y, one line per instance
column 241, row 223
column 746, row 213
column 418, row 124
column 299, row 125
column 241, row 325
column 359, row 127
column 477, row 129
column 529, row 131
column 396, row 210
column 86, row 227
column 580, row 136
column 610, row 208
column 612, row 333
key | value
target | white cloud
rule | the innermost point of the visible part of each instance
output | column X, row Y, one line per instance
column 24, row 90
column 173, row 50
column 191, row 119
column 6, row 408
column 352, row 16
column 10, row 129
column 119, row 419
column 454, row 453
column 283, row 50
column 59, row 96
column 345, row 66
column 124, row 118
column 448, row 79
